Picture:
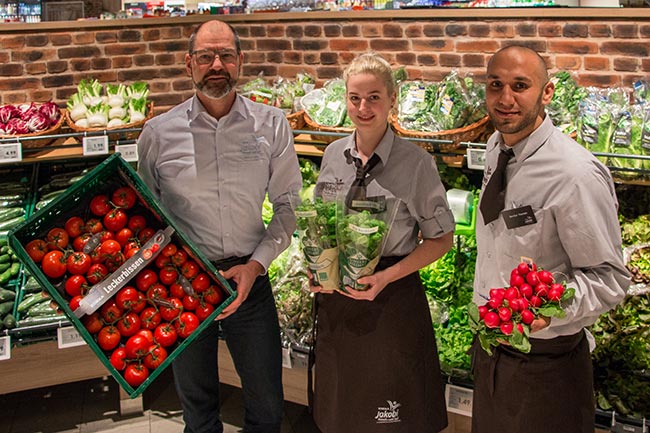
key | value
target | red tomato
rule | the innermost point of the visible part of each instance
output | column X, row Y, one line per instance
column 92, row 322
column 75, row 226
column 169, row 250
column 124, row 197
column 96, row 273
column 213, row 295
column 36, row 249
column 115, row 261
column 162, row 261
column 80, row 241
column 127, row 297
column 179, row 258
column 157, row 354
column 168, row 275
column 74, row 302
column 78, row 263
column 190, row 302
column 118, row 359
column 201, row 282
column 186, row 324
column 124, row 236
column 108, row 337
column 131, row 252
column 136, row 346
column 140, row 304
column 172, row 312
column 100, row 205
column 135, row 374
column 150, row 318
column 57, row 239
column 110, row 311
column 94, row 225
column 129, row 324
column 146, row 333
column 157, row 291
column 145, row 234
column 203, row 311
column 136, row 223
column 176, row 290
column 165, row 334
column 54, row 264
column 108, row 249
column 190, row 269
column 76, row 285
column 145, row 279
column 115, row 220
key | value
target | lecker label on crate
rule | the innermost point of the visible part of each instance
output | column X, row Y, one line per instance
column 11, row 152
column 103, row 290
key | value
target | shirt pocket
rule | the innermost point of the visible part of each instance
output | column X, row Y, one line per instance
column 527, row 241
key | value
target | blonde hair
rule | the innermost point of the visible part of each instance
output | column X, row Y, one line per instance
column 372, row 63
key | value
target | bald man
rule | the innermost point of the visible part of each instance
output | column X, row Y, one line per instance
column 559, row 209
column 211, row 161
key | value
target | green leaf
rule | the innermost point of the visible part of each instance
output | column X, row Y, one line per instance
column 551, row 310
column 485, row 343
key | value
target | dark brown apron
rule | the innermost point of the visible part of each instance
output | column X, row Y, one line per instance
column 377, row 367
column 549, row 390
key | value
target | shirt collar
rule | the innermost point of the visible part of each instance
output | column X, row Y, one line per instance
column 529, row 145
column 382, row 150
column 197, row 109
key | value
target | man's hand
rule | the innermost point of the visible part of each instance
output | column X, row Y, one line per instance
column 316, row 288
column 244, row 276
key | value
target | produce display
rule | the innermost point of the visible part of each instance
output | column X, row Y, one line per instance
column 326, row 105
column 453, row 103
column 9, row 283
column 282, row 93
column 134, row 287
column 508, row 313
column 109, row 106
column 563, row 108
column 13, row 204
column 29, row 118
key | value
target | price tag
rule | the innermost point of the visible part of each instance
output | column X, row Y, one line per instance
column 69, row 337
column 129, row 152
column 286, row 357
column 459, row 400
column 5, row 348
column 95, row 145
column 11, row 152
column 476, row 159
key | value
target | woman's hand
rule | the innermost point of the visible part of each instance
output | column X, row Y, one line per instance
column 375, row 284
column 315, row 288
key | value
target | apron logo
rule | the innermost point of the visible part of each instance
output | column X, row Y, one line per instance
column 390, row 414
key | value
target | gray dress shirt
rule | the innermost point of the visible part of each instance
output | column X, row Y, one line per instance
column 577, row 235
column 405, row 173
column 212, row 176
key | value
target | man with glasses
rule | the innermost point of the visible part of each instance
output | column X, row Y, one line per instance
column 211, row 160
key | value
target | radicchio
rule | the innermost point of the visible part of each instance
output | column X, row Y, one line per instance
column 27, row 110
column 17, row 126
column 7, row 112
column 38, row 122
column 50, row 111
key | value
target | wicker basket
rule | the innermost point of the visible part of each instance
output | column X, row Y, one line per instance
column 33, row 143
column 296, row 120
column 458, row 135
column 117, row 135
column 325, row 138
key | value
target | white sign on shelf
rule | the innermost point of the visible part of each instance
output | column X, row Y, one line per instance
column 286, row 357
column 476, row 158
column 95, row 145
column 5, row 348
column 129, row 152
column 459, row 400
column 69, row 337
column 11, row 152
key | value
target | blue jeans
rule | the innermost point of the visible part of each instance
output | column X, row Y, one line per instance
column 252, row 334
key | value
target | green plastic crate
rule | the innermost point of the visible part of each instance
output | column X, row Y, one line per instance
column 107, row 176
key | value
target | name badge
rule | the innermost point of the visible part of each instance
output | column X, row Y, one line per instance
column 519, row 217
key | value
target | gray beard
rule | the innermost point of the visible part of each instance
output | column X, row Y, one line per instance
column 214, row 91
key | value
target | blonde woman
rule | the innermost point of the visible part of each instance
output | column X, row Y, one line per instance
column 377, row 367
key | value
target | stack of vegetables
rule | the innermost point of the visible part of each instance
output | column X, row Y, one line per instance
column 326, row 106
column 614, row 121
column 9, row 273
column 107, row 106
column 453, row 103
column 563, row 108
column 28, row 118
column 283, row 93
column 13, row 202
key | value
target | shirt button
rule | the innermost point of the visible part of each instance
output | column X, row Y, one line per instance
column 227, row 235
column 489, row 255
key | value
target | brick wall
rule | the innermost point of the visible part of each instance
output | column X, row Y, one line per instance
column 48, row 65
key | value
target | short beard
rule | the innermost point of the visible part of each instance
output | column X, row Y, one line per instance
column 215, row 90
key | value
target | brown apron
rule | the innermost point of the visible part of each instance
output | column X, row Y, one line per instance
column 549, row 390
column 377, row 367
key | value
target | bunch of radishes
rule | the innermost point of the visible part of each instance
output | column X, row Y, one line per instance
column 28, row 118
column 507, row 315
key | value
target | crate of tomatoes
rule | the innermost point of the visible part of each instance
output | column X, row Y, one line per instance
column 133, row 285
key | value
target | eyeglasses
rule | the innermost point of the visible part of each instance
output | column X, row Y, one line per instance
column 207, row 56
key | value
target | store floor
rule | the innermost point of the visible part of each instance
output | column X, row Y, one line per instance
column 93, row 406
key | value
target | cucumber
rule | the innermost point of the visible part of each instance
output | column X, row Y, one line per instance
column 14, row 269
column 31, row 300
column 6, row 308
column 9, row 321
column 41, row 309
column 32, row 285
column 11, row 223
column 27, row 321
column 5, row 276
column 5, row 257
column 7, row 295
column 11, row 212
column 4, row 266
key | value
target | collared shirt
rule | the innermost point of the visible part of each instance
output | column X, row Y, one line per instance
column 576, row 237
column 406, row 173
column 212, row 176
